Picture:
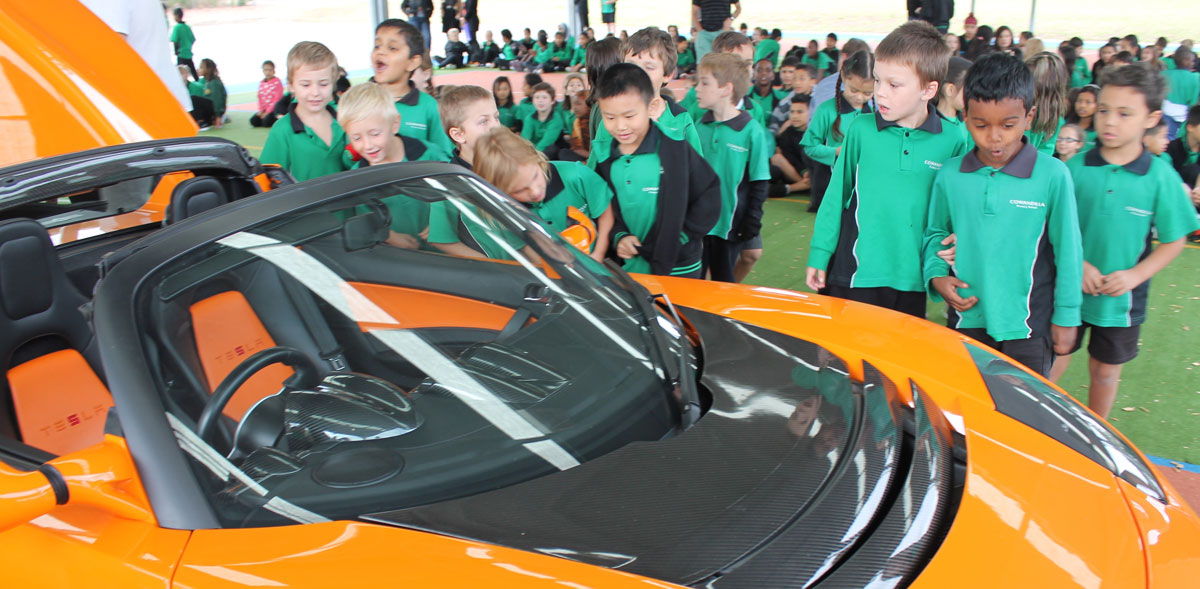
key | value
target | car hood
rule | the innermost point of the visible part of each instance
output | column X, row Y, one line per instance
column 792, row 473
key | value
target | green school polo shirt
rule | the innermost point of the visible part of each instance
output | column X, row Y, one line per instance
column 675, row 123
column 872, row 219
column 1082, row 74
column 767, row 49
column 472, row 227
column 508, row 115
column 1183, row 86
column 739, row 152
column 1168, row 62
column 579, row 56
column 956, row 125
column 692, row 104
column 1117, row 207
column 686, row 60
column 821, row 61
column 509, row 52
column 419, row 118
column 634, row 178
column 819, row 142
column 1045, row 143
column 766, row 104
column 183, row 38
column 572, row 184
column 542, row 134
column 1018, row 243
column 295, row 147
column 409, row 215
column 524, row 108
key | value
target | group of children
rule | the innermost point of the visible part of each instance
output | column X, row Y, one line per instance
column 931, row 161
column 203, row 83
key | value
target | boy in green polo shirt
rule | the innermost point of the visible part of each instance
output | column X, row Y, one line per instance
column 1123, row 193
column 739, row 151
column 1185, row 149
column 768, row 48
column 307, row 141
column 543, row 127
column 653, row 50
column 866, row 243
column 1022, row 299
column 525, row 107
column 399, row 47
column 468, row 113
column 667, row 197
column 549, row 189
column 183, row 39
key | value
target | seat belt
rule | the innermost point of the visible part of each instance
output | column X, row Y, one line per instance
column 327, row 345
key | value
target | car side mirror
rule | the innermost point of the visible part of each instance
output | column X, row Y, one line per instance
column 101, row 476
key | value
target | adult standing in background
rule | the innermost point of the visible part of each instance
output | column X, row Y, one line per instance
column 418, row 13
column 937, row 13
column 470, row 21
column 450, row 11
column 144, row 26
column 709, row 18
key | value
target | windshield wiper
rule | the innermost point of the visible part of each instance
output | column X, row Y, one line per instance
column 685, row 382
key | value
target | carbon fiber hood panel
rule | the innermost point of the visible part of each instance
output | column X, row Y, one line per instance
column 791, row 450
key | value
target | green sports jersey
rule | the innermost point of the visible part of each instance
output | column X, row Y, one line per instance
column 635, row 178
column 572, row 184
column 542, row 133
column 183, row 38
column 462, row 222
column 1183, row 86
column 675, row 123
column 739, row 151
column 767, row 49
column 1118, row 206
column 1018, row 244
column 1045, row 143
column 871, row 221
column 820, row 143
column 419, row 118
column 296, row 148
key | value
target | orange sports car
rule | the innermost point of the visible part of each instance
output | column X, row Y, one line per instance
column 269, row 394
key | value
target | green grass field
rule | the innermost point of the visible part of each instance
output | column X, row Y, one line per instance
column 1159, row 402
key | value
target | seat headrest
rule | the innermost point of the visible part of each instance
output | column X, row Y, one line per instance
column 28, row 265
column 194, row 196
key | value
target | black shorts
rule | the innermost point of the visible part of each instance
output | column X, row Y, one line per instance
column 608, row 17
column 1037, row 353
column 912, row 303
column 1110, row 345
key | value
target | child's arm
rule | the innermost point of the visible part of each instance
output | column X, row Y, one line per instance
column 1122, row 281
column 1174, row 219
column 598, row 195
column 1067, row 243
column 814, row 138
column 604, row 226
column 527, row 128
column 758, row 173
column 218, row 98
column 552, row 131
column 828, row 225
column 704, row 198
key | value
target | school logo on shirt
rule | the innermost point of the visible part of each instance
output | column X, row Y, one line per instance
column 1027, row 204
column 737, row 148
column 1139, row 212
column 651, row 190
column 933, row 165
column 420, row 126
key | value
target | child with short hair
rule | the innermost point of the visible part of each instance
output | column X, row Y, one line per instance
column 739, row 152
column 796, row 78
column 579, row 54
column 1070, row 142
column 827, row 128
column 270, row 90
column 502, row 92
column 550, row 189
column 307, row 141
column 525, row 107
column 686, row 62
column 789, row 165
column 818, row 59
column 182, row 38
column 831, row 48
column 762, row 91
column 667, row 197
column 1124, row 197
column 555, row 57
column 768, row 48
column 1185, row 149
column 1184, row 84
column 1022, row 299
column 398, row 50
column 882, row 178
column 543, row 127
column 1155, row 141
column 510, row 50
column 456, row 52
column 468, row 112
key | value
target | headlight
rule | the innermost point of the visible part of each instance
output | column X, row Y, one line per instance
column 1036, row 404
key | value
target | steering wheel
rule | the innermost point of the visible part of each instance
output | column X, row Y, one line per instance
column 306, row 376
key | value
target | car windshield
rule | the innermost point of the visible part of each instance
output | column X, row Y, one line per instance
column 334, row 361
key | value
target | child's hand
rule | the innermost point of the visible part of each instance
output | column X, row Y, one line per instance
column 947, row 255
column 1093, row 280
column 837, row 152
column 627, row 247
column 1195, row 194
column 1063, row 338
column 948, row 286
column 1120, row 282
column 402, row 240
column 815, row 279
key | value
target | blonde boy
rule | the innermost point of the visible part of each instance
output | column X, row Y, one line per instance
column 468, row 113
column 307, row 141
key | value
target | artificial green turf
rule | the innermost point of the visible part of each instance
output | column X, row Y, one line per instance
column 1161, row 386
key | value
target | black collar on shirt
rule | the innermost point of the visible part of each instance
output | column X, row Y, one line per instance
column 457, row 160
column 675, row 108
column 298, row 125
column 932, row 124
column 1020, row 166
column 554, row 184
column 737, row 123
column 649, row 144
column 413, row 149
column 1139, row 166
column 847, row 109
column 412, row 97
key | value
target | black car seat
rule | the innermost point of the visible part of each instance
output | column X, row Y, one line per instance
column 53, row 377
column 194, row 196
